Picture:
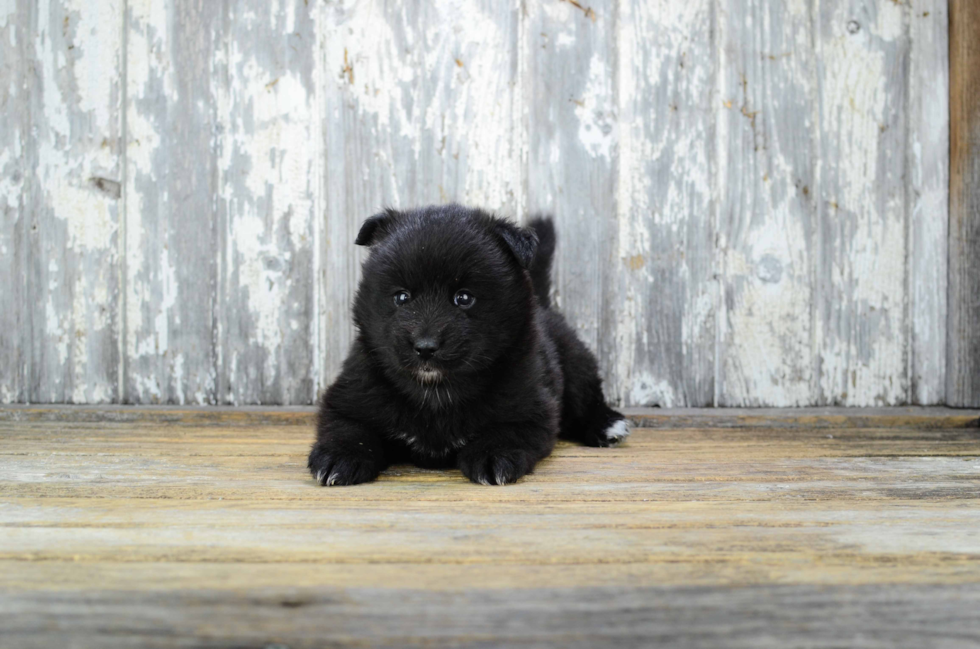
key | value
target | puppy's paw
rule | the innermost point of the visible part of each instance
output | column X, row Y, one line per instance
column 495, row 467
column 332, row 467
column 611, row 432
column 616, row 431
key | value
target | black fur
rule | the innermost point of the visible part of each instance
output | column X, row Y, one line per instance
column 508, row 375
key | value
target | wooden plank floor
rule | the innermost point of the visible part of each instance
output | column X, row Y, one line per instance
column 201, row 528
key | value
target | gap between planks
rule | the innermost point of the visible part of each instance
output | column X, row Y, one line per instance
column 660, row 418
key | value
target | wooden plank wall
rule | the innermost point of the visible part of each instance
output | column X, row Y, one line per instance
column 751, row 196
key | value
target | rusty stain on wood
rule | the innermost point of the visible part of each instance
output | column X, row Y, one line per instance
column 585, row 10
column 636, row 262
column 348, row 69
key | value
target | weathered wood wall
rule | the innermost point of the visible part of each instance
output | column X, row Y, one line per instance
column 963, row 376
column 751, row 195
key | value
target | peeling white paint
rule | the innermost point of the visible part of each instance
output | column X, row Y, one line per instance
column 10, row 184
column 84, row 211
column 366, row 58
column 146, row 62
column 890, row 20
column 928, row 254
column 665, row 311
column 463, row 85
column 864, row 336
column 269, row 148
column 8, row 9
column 97, row 54
column 764, row 141
column 597, row 122
column 76, row 218
column 648, row 390
column 678, row 179
column 55, row 329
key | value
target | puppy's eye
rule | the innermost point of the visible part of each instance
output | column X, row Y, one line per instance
column 401, row 297
column 464, row 299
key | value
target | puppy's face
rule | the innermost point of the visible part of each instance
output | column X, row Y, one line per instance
column 443, row 293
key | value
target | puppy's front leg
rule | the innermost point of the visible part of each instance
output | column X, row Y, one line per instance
column 505, row 454
column 346, row 452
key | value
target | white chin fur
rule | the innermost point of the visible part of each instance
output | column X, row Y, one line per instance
column 428, row 376
column 618, row 431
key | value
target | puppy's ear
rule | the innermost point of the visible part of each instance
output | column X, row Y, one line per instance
column 522, row 242
column 377, row 227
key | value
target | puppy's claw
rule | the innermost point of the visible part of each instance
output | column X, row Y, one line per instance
column 500, row 468
column 332, row 467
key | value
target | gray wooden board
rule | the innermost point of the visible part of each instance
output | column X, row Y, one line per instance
column 878, row 616
column 268, row 185
column 15, row 171
column 659, row 342
column 861, row 319
column 571, row 148
column 72, row 201
column 470, row 133
column 751, row 197
column 928, row 151
column 171, row 190
column 963, row 333
column 767, row 141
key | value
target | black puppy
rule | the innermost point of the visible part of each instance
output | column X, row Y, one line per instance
column 459, row 359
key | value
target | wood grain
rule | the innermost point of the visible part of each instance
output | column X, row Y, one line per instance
column 963, row 341
column 187, row 533
column 767, row 147
column 751, row 197
column 471, row 136
column 572, row 143
column 71, row 174
column 928, row 151
column 659, row 340
column 171, row 239
column 268, row 174
column 15, row 203
column 861, row 318
column 750, row 617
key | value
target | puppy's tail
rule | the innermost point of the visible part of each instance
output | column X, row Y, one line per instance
column 544, row 228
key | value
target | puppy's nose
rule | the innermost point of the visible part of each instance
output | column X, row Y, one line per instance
column 426, row 347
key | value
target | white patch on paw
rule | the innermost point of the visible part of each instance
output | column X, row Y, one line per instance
column 618, row 431
column 319, row 476
column 499, row 475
